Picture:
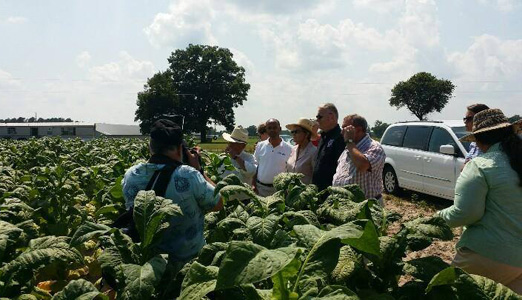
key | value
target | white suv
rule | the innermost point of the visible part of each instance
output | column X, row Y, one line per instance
column 425, row 156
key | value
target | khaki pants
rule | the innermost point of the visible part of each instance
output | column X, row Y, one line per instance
column 475, row 263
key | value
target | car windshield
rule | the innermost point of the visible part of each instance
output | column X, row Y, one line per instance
column 460, row 131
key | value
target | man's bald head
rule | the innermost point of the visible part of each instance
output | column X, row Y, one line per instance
column 273, row 128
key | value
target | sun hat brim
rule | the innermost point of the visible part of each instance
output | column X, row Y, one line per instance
column 227, row 137
column 294, row 126
column 471, row 137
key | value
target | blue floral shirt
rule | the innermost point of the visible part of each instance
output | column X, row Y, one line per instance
column 188, row 189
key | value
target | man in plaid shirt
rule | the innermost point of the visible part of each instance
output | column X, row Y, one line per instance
column 362, row 161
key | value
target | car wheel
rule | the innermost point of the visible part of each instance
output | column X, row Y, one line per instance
column 389, row 181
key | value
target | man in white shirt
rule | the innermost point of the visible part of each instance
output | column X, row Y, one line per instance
column 244, row 163
column 271, row 156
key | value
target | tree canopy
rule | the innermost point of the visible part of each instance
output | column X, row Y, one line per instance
column 379, row 128
column 252, row 130
column 34, row 120
column 422, row 94
column 203, row 83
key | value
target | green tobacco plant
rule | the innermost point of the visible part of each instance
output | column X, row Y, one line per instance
column 58, row 198
column 216, row 164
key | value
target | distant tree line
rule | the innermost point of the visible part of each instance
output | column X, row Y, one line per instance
column 34, row 120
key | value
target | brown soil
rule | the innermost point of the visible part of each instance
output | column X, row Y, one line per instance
column 411, row 206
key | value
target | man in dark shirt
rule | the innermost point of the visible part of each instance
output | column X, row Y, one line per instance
column 330, row 146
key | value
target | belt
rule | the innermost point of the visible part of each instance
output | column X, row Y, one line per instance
column 265, row 184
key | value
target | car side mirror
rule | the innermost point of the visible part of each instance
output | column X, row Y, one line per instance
column 447, row 149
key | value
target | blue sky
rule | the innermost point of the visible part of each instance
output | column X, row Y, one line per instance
column 88, row 59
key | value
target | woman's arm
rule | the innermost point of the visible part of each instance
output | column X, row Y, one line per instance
column 470, row 198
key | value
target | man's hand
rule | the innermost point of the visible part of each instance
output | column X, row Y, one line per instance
column 231, row 152
column 193, row 157
column 348, row 133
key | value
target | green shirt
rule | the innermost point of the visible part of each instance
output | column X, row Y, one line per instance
column 488, row 201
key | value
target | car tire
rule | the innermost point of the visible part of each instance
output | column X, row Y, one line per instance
column 389, row 181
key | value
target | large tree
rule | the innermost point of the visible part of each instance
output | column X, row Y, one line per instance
column 422, row 94
column 158, row 99
column 203, row 83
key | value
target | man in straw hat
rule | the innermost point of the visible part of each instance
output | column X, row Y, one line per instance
column 362, row 161
column 488, row 201
column 271, row 156
column 302, row 158
column 244, row 163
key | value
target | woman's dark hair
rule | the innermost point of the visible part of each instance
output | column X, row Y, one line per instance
column 261, row 128
column 510, row 144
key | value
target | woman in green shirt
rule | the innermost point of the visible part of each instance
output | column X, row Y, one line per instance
column 488, row 202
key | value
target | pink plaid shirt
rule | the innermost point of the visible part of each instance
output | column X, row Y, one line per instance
column 369, row 181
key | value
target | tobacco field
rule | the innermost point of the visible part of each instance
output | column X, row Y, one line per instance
column 58, row 199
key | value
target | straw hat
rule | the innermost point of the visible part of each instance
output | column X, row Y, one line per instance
column 239, row 135
column 306, row 124
column 490, row 119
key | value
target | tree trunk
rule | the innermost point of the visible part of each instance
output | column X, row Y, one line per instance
column 203, row 135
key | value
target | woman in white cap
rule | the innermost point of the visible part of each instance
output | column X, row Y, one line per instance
column 488, row 202
column 301, row 159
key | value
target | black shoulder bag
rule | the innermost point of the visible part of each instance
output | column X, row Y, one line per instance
column 159, row 183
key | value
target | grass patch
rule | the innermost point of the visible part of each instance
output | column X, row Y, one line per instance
column 219, row 145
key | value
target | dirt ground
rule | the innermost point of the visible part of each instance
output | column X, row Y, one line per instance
column 412, row 205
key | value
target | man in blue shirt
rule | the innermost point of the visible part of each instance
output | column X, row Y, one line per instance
column 473, row 109
column 188, row 188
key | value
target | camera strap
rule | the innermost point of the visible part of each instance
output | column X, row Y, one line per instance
column 159, row 183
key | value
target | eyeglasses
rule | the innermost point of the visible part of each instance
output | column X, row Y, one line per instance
column 319, row 117
column 295, row 131
column 467, row 119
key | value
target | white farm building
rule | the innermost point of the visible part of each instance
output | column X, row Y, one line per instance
column 81, row 130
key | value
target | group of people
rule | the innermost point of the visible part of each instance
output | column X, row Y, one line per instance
column 488, row 194
column 335, row 157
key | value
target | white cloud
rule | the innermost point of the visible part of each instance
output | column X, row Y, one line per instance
column 127, row 68
column 380, row 6
column 275, row 7
column 83, row 59
column 8, row 81
column 242, row 60
column 419, row 24
column 186, row 22
column 489, row 58
column 503, row 5
column 16, row 20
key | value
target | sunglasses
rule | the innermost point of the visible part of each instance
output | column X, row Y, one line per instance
column 295, row 131
column 467, row 119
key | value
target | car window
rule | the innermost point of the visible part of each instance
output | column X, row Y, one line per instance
column 460, row 131
column 441, row 137
column 416, row 137
column 393, row 136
